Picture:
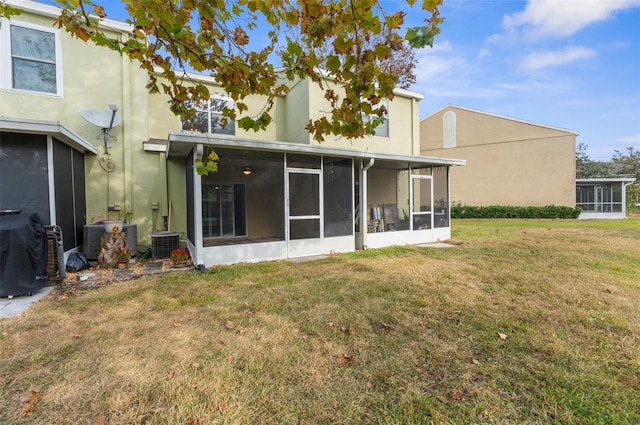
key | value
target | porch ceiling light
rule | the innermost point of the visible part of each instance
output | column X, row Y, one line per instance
column 246, row 171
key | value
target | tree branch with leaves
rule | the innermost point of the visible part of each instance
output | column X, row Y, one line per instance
column 171, row 38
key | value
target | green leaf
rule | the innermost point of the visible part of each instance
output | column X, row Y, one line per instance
column 430, row 5
column 333, row 63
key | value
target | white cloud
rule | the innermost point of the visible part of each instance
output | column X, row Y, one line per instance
column 558, row 18
column 436, row 62
column 483, row 53
column 543, row 59
column 631, row 140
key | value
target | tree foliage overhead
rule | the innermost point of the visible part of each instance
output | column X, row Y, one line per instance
column 587, row 168
column 214, row 37
column 627, row 162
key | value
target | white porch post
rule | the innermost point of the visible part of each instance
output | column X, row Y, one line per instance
column 51, row 179
column 197, row 207
column 364, row 200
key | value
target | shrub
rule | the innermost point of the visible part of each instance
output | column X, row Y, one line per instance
column 499, row 211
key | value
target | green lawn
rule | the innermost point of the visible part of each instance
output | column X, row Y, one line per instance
column 522, row 322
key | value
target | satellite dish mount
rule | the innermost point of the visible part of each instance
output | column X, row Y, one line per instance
column 106, row 120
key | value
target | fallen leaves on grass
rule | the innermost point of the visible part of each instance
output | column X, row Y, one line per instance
column 501, row 335
column 230, row 325
column 192, row 420
column 99, row 420
column 457, row 395
column 473, row 360
column 345, row 359
column 347, row 329
column 30, row 399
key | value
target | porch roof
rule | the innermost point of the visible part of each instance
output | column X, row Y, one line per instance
column 607, row 180
column 180, row 144
column 53, row 128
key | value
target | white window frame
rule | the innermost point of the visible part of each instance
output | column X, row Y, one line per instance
column 6, row 63
column 366, row 118
column 229, row 104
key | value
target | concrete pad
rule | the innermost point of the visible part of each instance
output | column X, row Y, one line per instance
column 12, row 307
column 437, row 245
column 308, row 258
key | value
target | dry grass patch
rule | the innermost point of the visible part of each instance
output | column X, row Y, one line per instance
column 524, row 322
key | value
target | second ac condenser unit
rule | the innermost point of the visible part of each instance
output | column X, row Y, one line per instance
column 93, row 238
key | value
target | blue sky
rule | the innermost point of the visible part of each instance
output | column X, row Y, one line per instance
column 571, row 64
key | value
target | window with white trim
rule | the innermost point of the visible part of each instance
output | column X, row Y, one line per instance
column 208, row 117
column 382, row 129
column 31, row 58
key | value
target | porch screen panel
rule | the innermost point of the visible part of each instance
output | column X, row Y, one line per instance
column 338, row 197
column 304, row 229
column 606, row 198
column 421, row 204
column 245, row 197
column 80, row 196
column 24, row 178
column 226, row 210
column 441, row 196
column 223, row 210
column 304, row 206
column 63, row 182
column 239, row 216
column 305, row 187
column 303, row 161
column 585, row 197
column 616, row 197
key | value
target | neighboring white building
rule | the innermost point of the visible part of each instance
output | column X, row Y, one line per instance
column 603, row 197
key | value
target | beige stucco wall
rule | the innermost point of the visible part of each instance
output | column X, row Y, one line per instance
column 509, row 162
column 403, row 123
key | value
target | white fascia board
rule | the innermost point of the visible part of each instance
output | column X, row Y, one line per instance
column 190, row 138
column 607, row 180
column 54, row 128
column 209, row 79
column 155, row 145
column 54, row 11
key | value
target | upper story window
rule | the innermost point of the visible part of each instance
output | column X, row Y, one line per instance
column 382, row 130
column 32, row 61
column 208, row 118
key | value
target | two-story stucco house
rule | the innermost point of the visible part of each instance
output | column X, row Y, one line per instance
column 278, row 193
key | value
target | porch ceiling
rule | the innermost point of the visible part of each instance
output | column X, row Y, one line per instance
column 181, row 143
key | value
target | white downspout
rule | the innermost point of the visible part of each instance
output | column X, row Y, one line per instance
column 363, row 201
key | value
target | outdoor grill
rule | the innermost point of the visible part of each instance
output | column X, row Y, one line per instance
column 23, row 253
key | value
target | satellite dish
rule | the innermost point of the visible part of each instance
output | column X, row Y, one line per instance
column 101, row 118
column 106, row 120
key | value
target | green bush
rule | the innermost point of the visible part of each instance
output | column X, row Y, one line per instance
column 498, row 211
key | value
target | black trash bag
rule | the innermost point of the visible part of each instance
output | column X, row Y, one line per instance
column 77, row 262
